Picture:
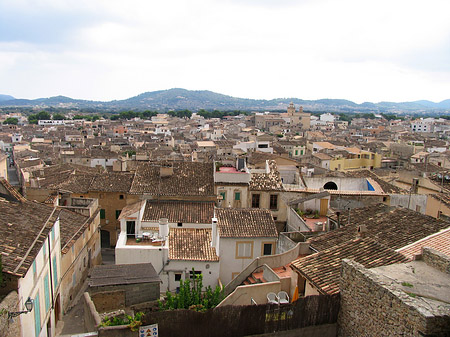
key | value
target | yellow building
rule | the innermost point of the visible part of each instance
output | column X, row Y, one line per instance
column 354, row 158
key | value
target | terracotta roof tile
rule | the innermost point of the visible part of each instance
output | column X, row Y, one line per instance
column 394, row 227
column 187, row 179
column 179, row 211
column 323, row 269
column 267, row 181
column 245, row 222
column 118, row 274
column 439, row 241
column 20, row 224
column 192, row 244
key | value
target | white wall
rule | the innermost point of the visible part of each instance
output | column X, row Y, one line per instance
column 209, row 270
column 227, row 252
column 140, row 253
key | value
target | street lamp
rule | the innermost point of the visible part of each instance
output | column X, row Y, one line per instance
column 28, row 305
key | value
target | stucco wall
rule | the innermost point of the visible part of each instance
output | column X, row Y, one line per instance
column 229, row 264
column 242, row 295
column 416, row 202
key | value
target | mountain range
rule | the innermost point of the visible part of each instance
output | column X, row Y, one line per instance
column 180, row 99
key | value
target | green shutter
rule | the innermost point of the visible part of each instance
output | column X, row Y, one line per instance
column 237, row 196
column 37, row 316
column 55, row 272
column 102, row 214
column 46, row 293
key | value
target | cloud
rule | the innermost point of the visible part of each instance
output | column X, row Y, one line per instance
column 107, row 49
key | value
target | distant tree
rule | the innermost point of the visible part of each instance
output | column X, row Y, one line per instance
column 58, row 117
column 78, row 117
column 147, row 114
column 42, row 115
column 180, row 113
column 11, row 120
column 34, row 118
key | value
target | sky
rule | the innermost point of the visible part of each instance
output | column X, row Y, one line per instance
column 361, row 50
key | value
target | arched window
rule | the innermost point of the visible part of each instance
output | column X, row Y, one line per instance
column 330, row 186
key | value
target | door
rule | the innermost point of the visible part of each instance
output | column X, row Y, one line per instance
column 323, row 206
column 131, row 228
column 105, row 239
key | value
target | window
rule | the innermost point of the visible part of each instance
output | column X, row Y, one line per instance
column 237, row 195
column 118, row 213
column 193, row 273
column 177, row 277
column 296, row 152
column 255, row 200
column 267, row 249
column 244, row 250
column 417, row 208
column 180, row 224
column 53, row 233
column 37, row 315
column 224, row 195
column 121, row 196
column 301, row 152
column 102, row 214
column 274, row 201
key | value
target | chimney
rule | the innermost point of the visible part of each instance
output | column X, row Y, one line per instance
column 163, row 228
column 362, row 231
column 214, row 232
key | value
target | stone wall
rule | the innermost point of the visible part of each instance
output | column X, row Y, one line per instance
column 134, row 293
column 370, row 308
column 436, row 260
column 91, row 317
column 9, row 328
column 109, row 301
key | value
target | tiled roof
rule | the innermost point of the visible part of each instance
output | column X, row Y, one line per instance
column 112, row 182
column 179, row 211
column 11, row 191
column 323, row 269
column 394, row 227
column 267, row 181
column 439, row 241
column 130, row 209
column 321, row 156
column 442, row 197
column 193, row 244
column 21, row 223
column 245, row 222
column 118, row 274
column 83, row 179
column 188, row 179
